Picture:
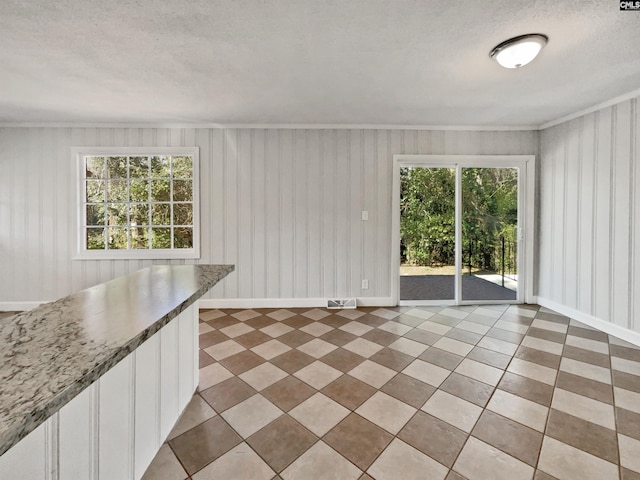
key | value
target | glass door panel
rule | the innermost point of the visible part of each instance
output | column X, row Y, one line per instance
column 489, row 234
column 427, row 233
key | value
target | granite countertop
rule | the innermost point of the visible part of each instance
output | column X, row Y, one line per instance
column 51, row 353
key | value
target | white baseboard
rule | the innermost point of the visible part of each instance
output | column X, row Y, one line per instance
column 18, row 306
column 286, row 302
column 595, row 322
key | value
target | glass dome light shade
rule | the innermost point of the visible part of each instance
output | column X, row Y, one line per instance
column 518, row 51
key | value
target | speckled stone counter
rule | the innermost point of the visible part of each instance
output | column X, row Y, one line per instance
column 50, row 354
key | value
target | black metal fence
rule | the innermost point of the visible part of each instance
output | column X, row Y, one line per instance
column 501, row 258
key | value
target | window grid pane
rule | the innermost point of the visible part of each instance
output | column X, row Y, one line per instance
column 124, row 182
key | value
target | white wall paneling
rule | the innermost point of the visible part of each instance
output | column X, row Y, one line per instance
column 283, row 205
column 590, row 217
column 114, row 428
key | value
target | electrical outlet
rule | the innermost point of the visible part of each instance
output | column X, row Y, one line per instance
column 365, row 215
column 365, row 284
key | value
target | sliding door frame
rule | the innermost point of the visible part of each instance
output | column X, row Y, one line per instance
column 526, row 211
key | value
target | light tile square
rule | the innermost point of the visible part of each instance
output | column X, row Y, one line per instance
column 566, row 462
column 629, row 452
column 533, row 370
column 321, row 462
column 165, row 466
column 276, row 329
column 317, row 348
column 212, row 375
column 512, row 327
column 410, row 347
column 453, row 410
column 522, row 311
column 480, row 461
column 270, row 349
column 356, row 328
column 245, row 315
column 414, row 465
column 544, row 345
column 627, row 399
column 262, row 376
column 586, row 370
column 236, row 330
column 208, row 315
column 419, row 313
column 318, row 374
column 453, row 346
column 280, row 315
column 487, row 312
column 386, row 412
column 626, row 366
column 225, row 349
column 239, row 462
column 395, row 327
column 384, row 313
column 196, row 412
column 473, row 327
column 363, row 347
column 499, row 346
column 350, row 314
column 373, row 373
column 319, row 414
column 249, row 416
column 316, row 329
column 480, row 371
column 454, row 313
column 316, row 314
column 433, row 327
column 584, row 407
column 519, row 409
column 551, row 326
column 427, row 372
column 588, row 344
column 204, row 328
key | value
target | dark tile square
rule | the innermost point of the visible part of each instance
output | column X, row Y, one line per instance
column 203, row 444
column 511, row 437
column 380, row 337
column 628, row 423
column 422, row 336
column 211, row 338
column 626, row 381
column 241, row 362
column 358, row 439
column 281, row 442
column 372, row 320
column 408, row 390
column 464, row 336
column 438, row 439
column 588, row 333
column 297, row 321
column 467, row 388
column 441, row 358
column 288, row 393
column 538, row 356
column 587, row 356
column 342, row 359
column 222, row 322
column 338, row 337
column 500, row 334
column 335, row 321
column 292, row 361
column 489, row 357
column 392, row 359
column 252, row 339
column 227, row 394
column 587, row 436
column 546, row 335
column 632, row 354
column 585, row 386
column 348, row 391
column 260, row 322
column 204, row 359
column 295, row 339
column 527, row 388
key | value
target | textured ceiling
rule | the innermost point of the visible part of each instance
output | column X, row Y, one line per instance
column 405, row 62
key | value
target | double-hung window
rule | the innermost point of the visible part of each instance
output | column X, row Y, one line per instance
column 137, row 202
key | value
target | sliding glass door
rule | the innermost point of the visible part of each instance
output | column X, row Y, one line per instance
column 459, row 232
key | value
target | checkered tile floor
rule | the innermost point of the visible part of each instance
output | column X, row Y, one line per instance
column 490, row 392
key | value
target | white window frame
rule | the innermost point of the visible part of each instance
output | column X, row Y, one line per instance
column 82, row 253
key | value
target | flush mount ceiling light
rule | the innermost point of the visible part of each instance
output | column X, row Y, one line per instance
column 518, row 51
